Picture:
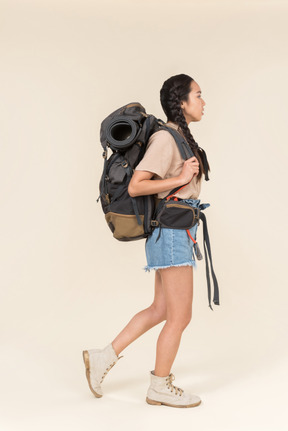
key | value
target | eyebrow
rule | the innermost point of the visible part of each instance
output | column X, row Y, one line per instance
column 198, row 91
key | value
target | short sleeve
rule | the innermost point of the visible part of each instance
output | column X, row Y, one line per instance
column 159, row 154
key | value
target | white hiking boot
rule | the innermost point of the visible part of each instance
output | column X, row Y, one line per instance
column 161, row 391
column 97, row 363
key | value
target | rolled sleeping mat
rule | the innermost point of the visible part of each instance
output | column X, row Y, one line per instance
column 122, row 132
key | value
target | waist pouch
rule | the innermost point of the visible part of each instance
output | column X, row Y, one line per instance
column 176, row 215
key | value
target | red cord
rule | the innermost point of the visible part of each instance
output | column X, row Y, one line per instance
column 189, row 234
column 168, row 197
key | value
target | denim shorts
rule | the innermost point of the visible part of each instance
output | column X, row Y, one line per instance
column 174, row 247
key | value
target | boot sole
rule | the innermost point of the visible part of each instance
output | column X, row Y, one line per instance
column 158, row 403
column 87, row 367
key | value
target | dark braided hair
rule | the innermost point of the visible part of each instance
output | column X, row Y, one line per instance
column 174, row 90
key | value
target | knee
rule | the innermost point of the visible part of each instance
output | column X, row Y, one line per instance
column 179, row 323
column 159, row 312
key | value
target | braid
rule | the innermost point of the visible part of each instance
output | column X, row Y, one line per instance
column 193, row 144
column 175, row 114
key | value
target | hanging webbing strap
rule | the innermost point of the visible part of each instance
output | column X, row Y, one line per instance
column 207, row 247
column 136, row 211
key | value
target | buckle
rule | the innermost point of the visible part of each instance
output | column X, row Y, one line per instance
column 154, row 223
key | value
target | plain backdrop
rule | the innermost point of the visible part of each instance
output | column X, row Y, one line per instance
column 67, row 284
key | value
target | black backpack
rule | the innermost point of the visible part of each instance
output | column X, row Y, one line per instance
column 126, row 132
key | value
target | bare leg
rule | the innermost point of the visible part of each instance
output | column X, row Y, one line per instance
column 177, row 284
column 143, row 320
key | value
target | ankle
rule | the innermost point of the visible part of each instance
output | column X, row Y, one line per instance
column 159, row 373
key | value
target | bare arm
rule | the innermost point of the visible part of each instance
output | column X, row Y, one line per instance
column 141, row 183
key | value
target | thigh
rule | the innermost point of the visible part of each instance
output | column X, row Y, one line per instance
column 177, row 284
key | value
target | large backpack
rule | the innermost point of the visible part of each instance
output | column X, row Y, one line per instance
column 126, row 132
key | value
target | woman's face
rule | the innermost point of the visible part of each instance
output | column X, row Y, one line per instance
column 193, row 108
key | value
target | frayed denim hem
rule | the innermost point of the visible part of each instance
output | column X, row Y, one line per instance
column 148, row 268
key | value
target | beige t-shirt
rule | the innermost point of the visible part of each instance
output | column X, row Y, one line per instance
column 163, row 158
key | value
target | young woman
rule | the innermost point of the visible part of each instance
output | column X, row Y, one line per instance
column 172, row 256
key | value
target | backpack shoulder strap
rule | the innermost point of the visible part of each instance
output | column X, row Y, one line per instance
column 184, row 150
column 183, row 147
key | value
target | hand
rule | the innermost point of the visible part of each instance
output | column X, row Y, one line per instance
column 189, row 169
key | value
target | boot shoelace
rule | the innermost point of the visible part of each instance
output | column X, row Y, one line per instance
column 169, row 384
column 109, row 368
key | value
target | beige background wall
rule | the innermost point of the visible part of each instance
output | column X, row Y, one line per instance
column 66, row 284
